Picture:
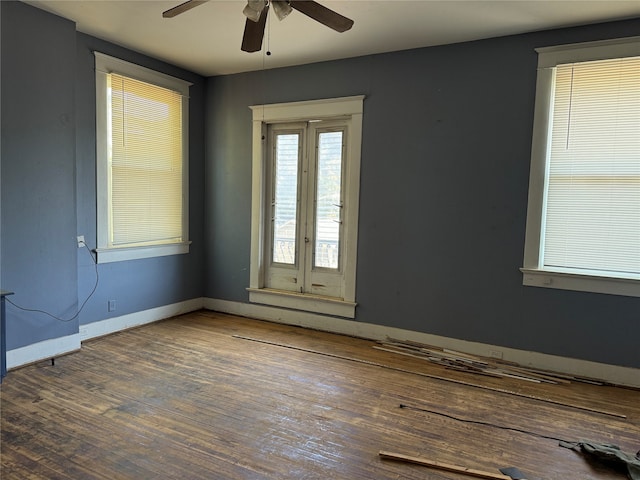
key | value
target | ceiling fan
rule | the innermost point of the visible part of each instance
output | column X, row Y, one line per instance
column 256, row 12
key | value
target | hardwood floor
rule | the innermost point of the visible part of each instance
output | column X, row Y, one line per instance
column 187, row 398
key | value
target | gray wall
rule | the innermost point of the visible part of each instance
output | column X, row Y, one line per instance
column 445, row 165
column 38, row 172
column 48, row 184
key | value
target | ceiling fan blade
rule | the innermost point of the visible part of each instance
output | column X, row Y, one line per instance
column 254, row 32
column 322, row 14
column 183, row 7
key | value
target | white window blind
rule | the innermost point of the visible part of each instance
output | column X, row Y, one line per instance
column 592, row 198
column 145, row 158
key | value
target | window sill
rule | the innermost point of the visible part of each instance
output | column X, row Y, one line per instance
column 301, row 301
column 121, row 254
column 595, row 283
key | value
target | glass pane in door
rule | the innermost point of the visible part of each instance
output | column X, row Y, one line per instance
column 328, row 215
column 285, row 198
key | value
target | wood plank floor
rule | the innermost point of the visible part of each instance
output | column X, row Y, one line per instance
column 186, row 398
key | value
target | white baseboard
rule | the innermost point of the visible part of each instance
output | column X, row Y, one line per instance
column 62, row 345
column 136, row 319
column 611, row 373
column 59, row 346
column 42, row 350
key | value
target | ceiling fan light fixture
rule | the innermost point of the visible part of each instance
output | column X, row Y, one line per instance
column 256, row 12
column 281, row 8
column 253, row 9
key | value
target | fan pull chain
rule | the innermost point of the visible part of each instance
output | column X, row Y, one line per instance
column 268, row 36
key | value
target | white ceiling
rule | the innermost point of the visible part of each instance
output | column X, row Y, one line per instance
column 207, row 39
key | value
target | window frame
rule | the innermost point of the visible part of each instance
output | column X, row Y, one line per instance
column 534, row 273
column 105, row 65
column 326, row 109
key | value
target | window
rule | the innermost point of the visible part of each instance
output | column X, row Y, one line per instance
column 306, row 171
column 583, row 222
column 142, row 162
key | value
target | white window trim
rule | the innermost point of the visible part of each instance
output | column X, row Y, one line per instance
column 533, row 272
column 283, row 112
column 104, row 66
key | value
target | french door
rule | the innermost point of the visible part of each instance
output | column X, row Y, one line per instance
column 305, row 207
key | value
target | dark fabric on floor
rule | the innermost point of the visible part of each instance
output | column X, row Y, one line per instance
column 608, row 452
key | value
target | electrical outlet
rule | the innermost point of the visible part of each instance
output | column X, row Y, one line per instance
column 80, row 241
column 112, row 305
column 495, row 354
